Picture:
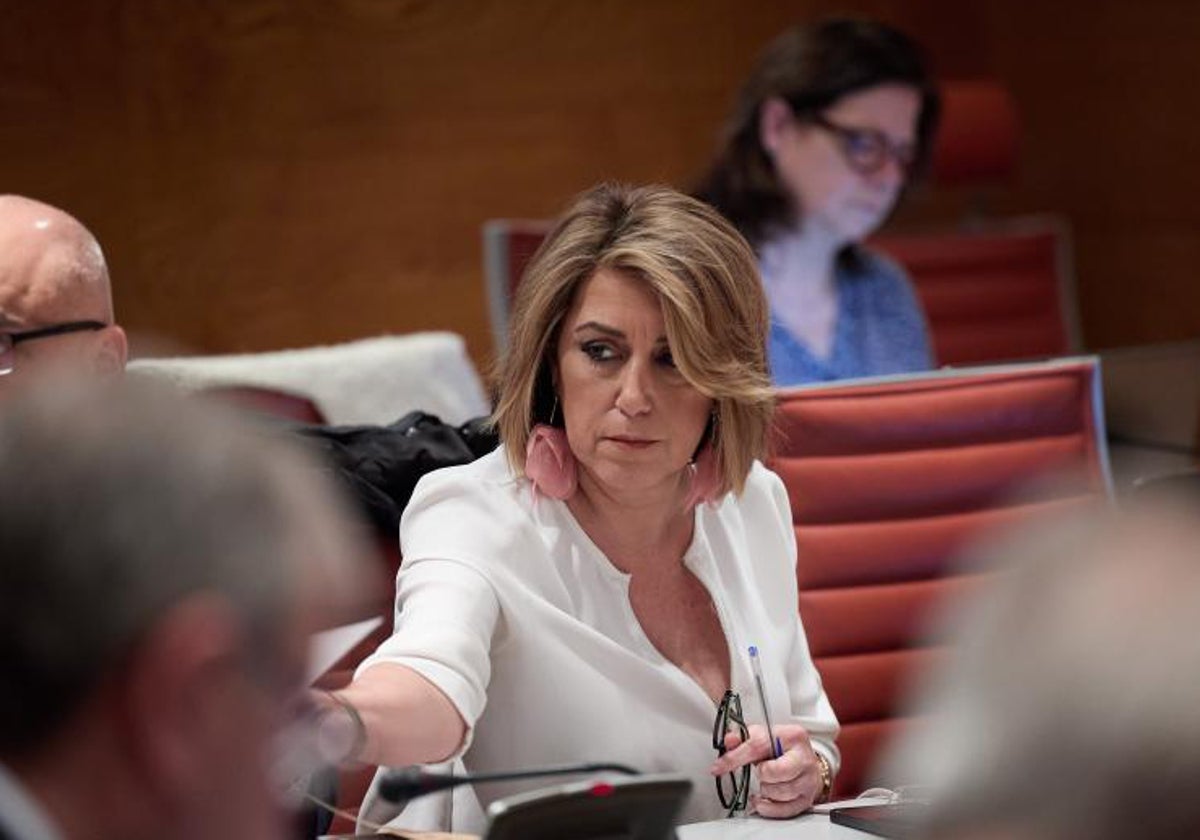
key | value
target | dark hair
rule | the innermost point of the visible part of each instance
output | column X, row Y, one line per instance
column 810, row 67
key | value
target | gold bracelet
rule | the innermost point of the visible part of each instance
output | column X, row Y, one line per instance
column 826, row 778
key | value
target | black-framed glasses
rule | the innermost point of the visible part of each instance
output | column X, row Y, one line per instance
column 733, row 788
column 9, row 340
column 866, row 150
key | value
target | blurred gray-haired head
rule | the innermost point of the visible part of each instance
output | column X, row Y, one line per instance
column 1071, row 705
column 117, row 501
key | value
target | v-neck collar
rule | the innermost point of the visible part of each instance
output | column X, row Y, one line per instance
column 699, row 560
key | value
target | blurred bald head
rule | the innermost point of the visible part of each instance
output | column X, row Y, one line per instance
column 52, row 272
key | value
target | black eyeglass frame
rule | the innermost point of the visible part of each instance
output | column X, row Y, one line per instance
column 729, row 711
column 905, row 154
column 10, row 340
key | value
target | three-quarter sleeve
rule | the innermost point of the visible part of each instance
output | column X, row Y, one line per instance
column 446, row 613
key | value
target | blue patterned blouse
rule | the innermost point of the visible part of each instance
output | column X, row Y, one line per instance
column 880, row 329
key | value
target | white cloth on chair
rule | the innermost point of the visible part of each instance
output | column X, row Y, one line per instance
column 371, row 381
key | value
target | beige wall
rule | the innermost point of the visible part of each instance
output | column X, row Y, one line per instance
column 271, row 173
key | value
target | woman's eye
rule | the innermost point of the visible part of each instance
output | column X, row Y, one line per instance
column 598, row 351
column 666, row 359
column 862, row 142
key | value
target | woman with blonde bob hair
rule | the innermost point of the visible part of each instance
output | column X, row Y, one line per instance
column 706, row 281
column 607, row 585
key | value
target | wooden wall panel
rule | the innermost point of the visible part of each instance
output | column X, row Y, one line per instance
column 272, row 173
column 1107, row 91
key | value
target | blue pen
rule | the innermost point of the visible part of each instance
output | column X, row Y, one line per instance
column 756, row 666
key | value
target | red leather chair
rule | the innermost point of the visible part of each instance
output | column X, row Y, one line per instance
column 508, row 246
column 978, row 134
column 272, row 402
column 993, row 289
column 889, row 480
column 992, row 293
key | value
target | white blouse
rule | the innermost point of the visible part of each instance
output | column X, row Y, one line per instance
column 506, row 605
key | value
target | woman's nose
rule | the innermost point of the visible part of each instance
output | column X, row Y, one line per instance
column 634, row 396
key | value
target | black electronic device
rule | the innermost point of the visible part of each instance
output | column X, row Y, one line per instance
column 640, row 808
column 897, row 821
column 404, row 783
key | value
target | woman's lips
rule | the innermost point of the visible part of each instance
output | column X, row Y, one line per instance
column 632, row 442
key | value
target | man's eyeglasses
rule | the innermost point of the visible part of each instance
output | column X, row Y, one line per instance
column 733, row 788
column 866, row 150
column 9, row 340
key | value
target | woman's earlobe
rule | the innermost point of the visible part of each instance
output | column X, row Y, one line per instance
column 773, row 116
column 549, row 463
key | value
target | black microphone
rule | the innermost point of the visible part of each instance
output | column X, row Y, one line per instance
column 405, row 783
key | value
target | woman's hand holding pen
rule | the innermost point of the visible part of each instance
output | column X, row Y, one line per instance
column 788, row 785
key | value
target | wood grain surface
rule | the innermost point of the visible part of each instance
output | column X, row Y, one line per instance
column 278, row 173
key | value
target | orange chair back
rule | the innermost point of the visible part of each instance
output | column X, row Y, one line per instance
column 272, row 402
column 889, row 480
column 993, row 294
column 978, row 136
column 508, row 246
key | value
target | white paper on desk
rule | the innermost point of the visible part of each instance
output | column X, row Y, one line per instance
column 328, row 646
column 826, row 807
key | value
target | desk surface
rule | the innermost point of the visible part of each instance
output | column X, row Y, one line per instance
column 1132, row 464
column 807, row 827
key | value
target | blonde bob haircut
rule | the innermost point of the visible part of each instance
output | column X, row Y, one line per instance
column 705, row 276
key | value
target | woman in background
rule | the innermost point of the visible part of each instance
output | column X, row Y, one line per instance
column 828, row 130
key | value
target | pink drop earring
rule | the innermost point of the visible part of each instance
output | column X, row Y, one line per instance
column 549, row 463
